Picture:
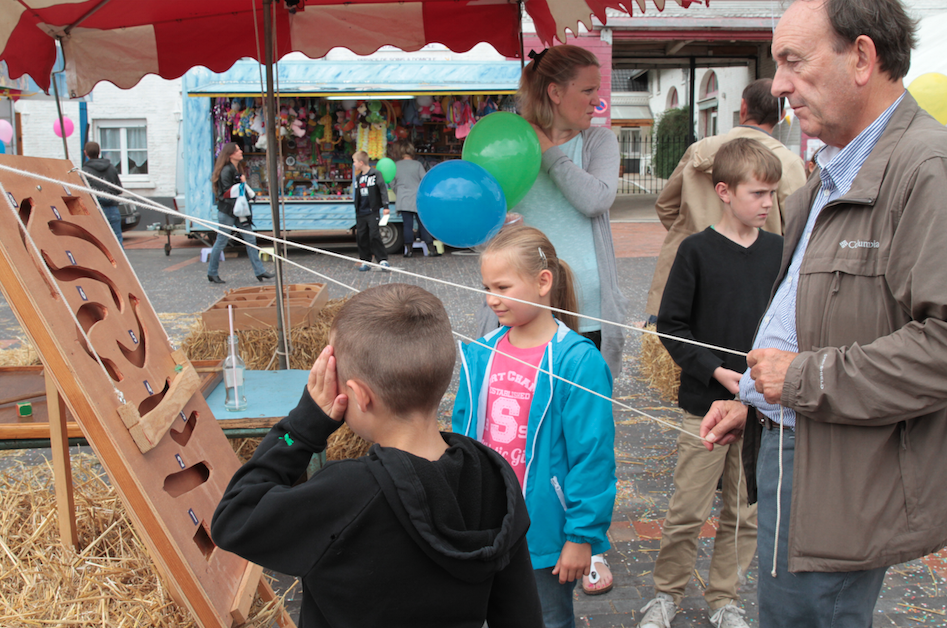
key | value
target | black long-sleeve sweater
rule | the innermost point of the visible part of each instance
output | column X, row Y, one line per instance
column 388, row 539
column 716, row 293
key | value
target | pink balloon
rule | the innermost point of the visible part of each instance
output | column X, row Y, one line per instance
column 67, row 125
column 6, row 132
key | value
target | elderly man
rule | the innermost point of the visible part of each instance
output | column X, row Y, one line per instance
column 848, row 369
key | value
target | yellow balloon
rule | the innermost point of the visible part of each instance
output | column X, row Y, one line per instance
column 930, row 92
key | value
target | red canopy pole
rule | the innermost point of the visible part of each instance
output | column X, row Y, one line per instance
column 273, row 176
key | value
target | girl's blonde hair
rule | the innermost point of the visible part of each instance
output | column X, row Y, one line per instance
column 531, row 252
column 559, row 65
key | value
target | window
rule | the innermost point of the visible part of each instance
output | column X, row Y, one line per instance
column 672, row 98
column 125, row 144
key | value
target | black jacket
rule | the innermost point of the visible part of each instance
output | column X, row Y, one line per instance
column 103, row 169
column 228, row 178
column 388, row 539
column 370, row 192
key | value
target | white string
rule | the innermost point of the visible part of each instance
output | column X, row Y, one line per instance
column 779, row 490
column 215, row 226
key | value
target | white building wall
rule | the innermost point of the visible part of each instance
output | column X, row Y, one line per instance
column 155, row 100
column 730, row 85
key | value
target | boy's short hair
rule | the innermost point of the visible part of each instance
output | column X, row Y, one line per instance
column 740, row 159
column 397, row 339
column 361, row 156
column 92, row 150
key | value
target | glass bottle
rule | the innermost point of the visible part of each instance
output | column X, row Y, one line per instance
column 234, row 367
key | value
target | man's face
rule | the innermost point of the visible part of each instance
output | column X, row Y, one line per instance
column 818, row 82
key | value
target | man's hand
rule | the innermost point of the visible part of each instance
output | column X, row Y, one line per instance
column 724, row 423
column 768, row 368
column 324, row 388
column 575, row 560
column 386, row 210
column 729, row 379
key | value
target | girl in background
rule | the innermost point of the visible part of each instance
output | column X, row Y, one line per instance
column 558, row 438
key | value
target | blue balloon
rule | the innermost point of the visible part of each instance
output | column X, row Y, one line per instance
column 461, row 204
column 3, row 148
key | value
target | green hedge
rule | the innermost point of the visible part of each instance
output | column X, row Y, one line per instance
column 670, row 140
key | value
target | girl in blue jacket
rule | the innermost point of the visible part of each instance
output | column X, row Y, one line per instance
column 558, row 438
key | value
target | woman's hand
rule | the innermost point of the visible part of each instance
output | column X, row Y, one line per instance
column 323, row 386
column 243, row 178
column 544, row 142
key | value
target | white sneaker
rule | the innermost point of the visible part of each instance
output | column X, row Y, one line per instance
column 659, row 612
column 729, row 616
column 383, row 266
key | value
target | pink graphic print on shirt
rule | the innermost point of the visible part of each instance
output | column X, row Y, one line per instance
column 509, row 397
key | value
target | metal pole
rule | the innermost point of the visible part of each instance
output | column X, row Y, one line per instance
column 692, row 136
column 272, row 175
column 62, row 127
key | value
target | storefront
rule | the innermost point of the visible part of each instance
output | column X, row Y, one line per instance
column 327, row 111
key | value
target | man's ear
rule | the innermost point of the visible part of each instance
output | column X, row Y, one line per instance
column 723, row 192
column 363, row 395
column 866, row 59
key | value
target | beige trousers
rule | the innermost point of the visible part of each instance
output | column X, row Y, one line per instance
column 695, row 483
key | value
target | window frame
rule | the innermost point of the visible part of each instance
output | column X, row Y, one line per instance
column 123, row 124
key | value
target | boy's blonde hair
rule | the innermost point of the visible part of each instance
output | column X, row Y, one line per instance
column 742, row 158
column 531, row 252
column 397, row 339
column 361, row 156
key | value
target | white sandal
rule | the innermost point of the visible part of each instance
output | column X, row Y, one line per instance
column 594, row 576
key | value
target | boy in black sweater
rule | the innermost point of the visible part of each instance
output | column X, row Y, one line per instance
column 716, row 293
column 371, row 196
column 428, row 529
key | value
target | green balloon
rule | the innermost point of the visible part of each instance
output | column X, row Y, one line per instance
column 506, row 146
column 387, row 169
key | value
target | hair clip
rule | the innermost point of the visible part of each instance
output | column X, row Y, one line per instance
column 542, row 256
column 537, row 56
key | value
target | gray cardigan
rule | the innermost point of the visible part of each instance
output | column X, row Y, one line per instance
column 591, row 190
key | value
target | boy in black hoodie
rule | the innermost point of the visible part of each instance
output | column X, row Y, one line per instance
column 103, row 169
column 428, row 529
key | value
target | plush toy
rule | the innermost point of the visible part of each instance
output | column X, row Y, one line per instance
column 363, row 115
column 352, row 120
column 375, row 116
column 256, row 123
column 298, row 127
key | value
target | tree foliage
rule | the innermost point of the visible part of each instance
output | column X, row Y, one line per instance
column 670, row 140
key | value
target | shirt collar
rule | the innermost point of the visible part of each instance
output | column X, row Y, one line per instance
column 840, row 165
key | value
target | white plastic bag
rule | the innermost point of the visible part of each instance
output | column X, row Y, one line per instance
column 240, row 191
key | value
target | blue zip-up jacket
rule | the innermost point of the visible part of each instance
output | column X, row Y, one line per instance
column 569, row 484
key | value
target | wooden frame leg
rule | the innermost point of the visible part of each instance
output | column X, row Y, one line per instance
column 62, row 467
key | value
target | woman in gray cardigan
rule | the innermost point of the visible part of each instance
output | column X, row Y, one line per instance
column 571, row 198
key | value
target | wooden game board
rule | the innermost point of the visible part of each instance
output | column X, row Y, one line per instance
column 141, row 410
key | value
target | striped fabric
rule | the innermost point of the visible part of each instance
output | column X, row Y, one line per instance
column 839, row 168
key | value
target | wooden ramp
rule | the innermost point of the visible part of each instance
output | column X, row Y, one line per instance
column 137, row 400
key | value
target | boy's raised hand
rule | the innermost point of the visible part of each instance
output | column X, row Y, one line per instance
column 323, row 386
column 575, row 560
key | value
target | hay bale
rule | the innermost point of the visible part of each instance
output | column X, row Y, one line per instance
column 110, row 582
column 22, row 355
column 657, row 367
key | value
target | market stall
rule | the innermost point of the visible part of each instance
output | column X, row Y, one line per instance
column 327, row 111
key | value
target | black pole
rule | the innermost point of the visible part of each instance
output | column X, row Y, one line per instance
column 272, row 176
column 691, row 135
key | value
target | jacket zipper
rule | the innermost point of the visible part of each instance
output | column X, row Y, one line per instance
column 559, row 493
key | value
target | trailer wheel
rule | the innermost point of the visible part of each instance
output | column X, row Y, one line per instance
column 393, row 238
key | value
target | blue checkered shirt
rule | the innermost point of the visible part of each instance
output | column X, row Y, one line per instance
column 778, row 327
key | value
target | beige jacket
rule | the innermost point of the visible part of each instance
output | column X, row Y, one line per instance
column 689, row 203
column 870, row 383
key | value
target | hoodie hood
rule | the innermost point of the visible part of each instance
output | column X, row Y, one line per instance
column 465, row 510
column 98, row 164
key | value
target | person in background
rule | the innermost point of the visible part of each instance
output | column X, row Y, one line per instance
column 571, row 199
column 688, row 204
column 228, row 171
column 104, row 169
column 405, row 184
column 846, row 378
column 371, row 197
